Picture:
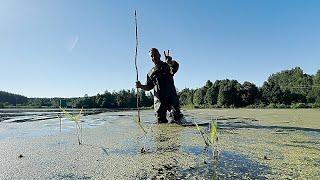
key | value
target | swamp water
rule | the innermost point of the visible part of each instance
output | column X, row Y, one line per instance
column 112, row 145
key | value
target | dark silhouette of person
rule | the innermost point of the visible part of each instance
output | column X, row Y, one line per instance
column 160, row 79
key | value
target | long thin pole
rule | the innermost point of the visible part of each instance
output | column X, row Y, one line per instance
column 135, row 62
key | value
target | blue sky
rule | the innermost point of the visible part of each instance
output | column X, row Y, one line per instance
column 61, row 48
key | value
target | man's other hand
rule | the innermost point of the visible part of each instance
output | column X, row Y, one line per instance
column 167, row 56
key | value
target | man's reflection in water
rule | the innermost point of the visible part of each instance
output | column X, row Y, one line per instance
column 169, row 138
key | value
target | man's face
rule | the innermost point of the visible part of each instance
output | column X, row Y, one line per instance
column 154, row 57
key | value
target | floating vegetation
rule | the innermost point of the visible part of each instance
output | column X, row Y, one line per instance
column 76, row 119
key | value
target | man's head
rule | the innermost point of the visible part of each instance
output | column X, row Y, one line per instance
column 155, row 55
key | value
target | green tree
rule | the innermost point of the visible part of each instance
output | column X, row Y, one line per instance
column 208, row 84
column 317, row 102
column 145, row 101
column 211, row 96
column 271, row 93
column 316, row 79
column 98, row 100
column 108, row 100
column 12, row 99
column 315, row 91
column 126, row 99
column 198, row 97
column 229, row 93
column 249, row 94
column 295, row 80
column 186, row 97
column 86, row 102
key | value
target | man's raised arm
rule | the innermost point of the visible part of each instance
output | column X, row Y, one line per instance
column 174, row 65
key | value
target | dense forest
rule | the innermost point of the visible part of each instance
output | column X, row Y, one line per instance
column 9, row 99
column 120, row 99
column 286, row 89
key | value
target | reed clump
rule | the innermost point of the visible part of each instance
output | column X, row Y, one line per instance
column 209, row 137
column 76, row 119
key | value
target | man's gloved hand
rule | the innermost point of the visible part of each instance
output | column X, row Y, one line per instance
column 138, row 84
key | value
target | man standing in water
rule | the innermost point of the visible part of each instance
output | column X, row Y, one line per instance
column 160, row 78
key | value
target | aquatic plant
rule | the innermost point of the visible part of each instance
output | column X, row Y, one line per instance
column 213, row 131
column 76, row 119
column 210, row 139
column 214, row 139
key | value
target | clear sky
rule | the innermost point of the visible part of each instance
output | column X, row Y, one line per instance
column 59, row 48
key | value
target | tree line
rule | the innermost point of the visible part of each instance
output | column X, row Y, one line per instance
column 9, row 99
column 285, row 89
column 288, row 88
column 120, row 99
